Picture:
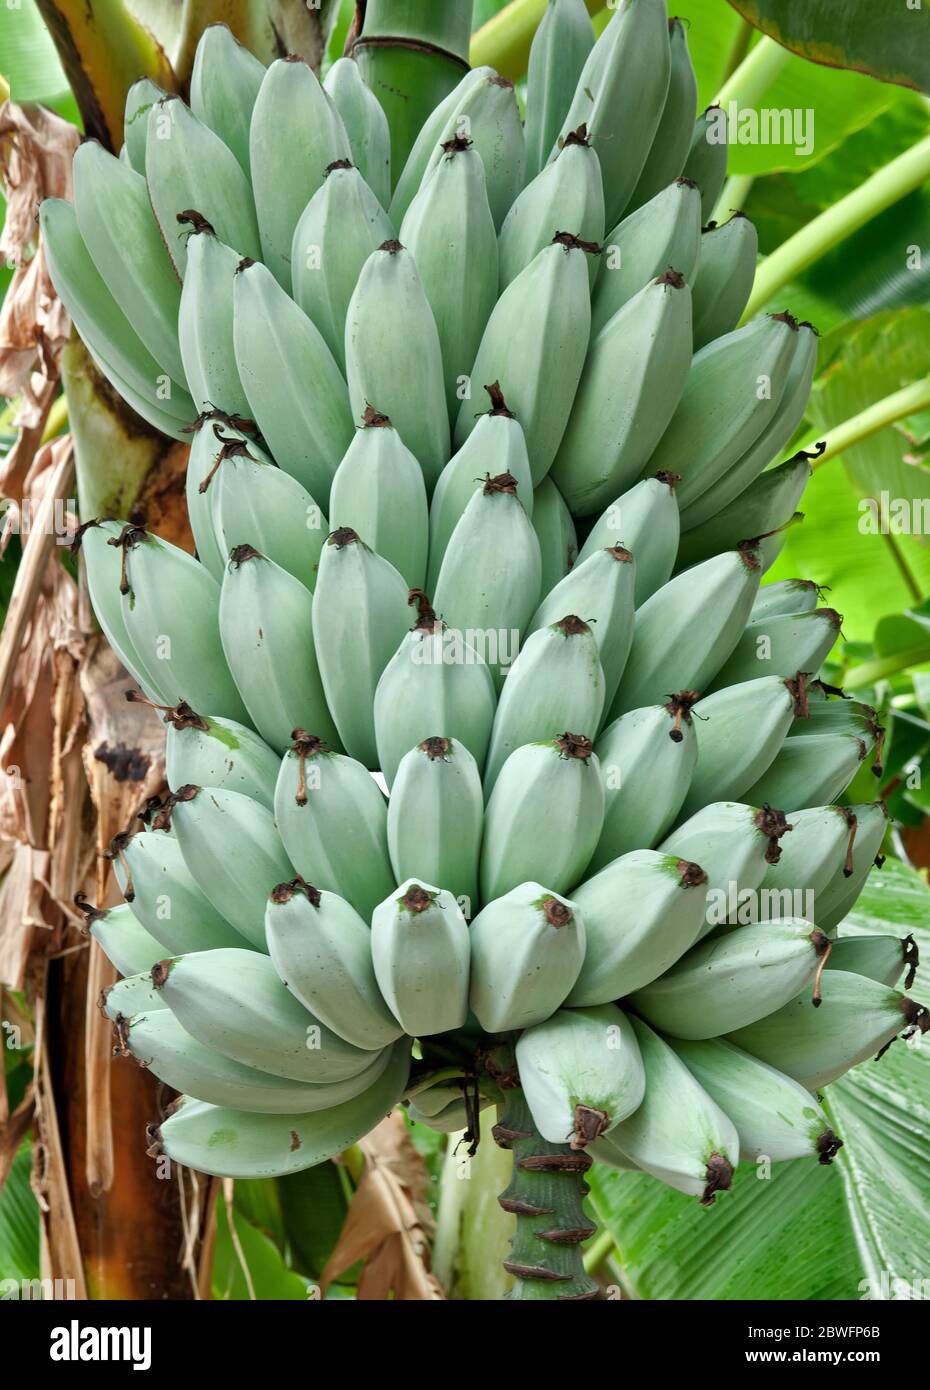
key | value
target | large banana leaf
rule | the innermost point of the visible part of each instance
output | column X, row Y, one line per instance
column 19, row 1221
column 855, row 1230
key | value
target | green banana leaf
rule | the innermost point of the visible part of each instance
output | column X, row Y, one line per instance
column 28, row 59
column 887, row 41
column 855, row 1230
column 19, row 1221
column 270, row 1276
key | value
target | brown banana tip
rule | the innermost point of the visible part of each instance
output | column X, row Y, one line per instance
column 718, row 1178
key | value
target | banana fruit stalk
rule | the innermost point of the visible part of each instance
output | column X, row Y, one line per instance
column 225, row 82
column 420, row 951
column 581, row 1073
column 665, row 232
column 724, row 281
column 672, row 142
column 567, row 193
column 645, row 522
column 560, row 49
column 527, row 949
column 603, row 588
column 365, row 125
column 436, row 817
column 205, row 321
column 121, row 937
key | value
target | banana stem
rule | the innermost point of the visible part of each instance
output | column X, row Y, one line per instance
column 600, row 1249
column 504, row 41
column 755, row 74
column 733, row 198
column 908, row 401
column 738, row 49
column 885, row 188
column 546, row 1194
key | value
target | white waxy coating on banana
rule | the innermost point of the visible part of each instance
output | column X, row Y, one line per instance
column 254, row 503
column 365, row 125
column 645, row 522
column 567, row 193
column 560, row 48
column 527, row 948
column 420, row 950
column 665, row 232
column 225, row 82
column 555, row 531
column 123, row 939
column 672, row 142
column 436, row 818
column 205, row 323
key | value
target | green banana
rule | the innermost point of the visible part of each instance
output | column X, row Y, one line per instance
column 234, row 1002
column 775, row 1117
column 295, row 390
column 134, row 995
column 535, row 343
column 859, row 1018
column 686, row 631
column 679, row 1134
column 629, row 392
column 435, row 818
column 103, row 563
column 724, row 280
column 365, row 125
column 116, row 224
column 402, row 376
column 217, row 753
column 811, row 770
column 321, row 948
column 879, row 957
column 266, row 627
column 827, row 716
column 628, row 949
column 785, row 596
column 496, row 443
column 621, row 95
column 420, row 952
column 231, row 847
column 378, row 490
column 341, row 226
column 567, row 193
column 740, row 730
column 766, row 506
column 205, row 322
column 840, row 894
column 647, row 760
column 665, row 232
column 140, row 99
column 541, row 788
column 732, row 981
column 560, row 48
column 441, row 125
column 555, row 531
column 581, row 1072
column 215, row 441
column 188, row 166
column 491, row 572
column 449, row 231
column 527, row 948
column 332, row 819
column 707, row 158
column 603, row 589
column 669, row 150
column 225, row 82
column 822, row 844
column 645, row 522
column 450, row 1118
column 239, row 1144
column 433, row 681
column 159, row 1043
column 121, row 937
column 295, row 135
column 359, row 620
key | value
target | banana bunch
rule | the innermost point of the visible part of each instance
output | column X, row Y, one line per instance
column 482, row 729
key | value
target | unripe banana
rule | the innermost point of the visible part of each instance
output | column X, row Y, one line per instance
column 218, row 753
column 569, row 192
column 560, row 48
column 433, row 681
column 766, row 506
column 775, row 1117
column 645, row 522
column 526, row 951
column 359, row 619
column 686, row 631
column 491, row 572
column 665, row 232
column 535, row 343
column 840, row 894
column 621, row 95
column 822, row 844
column 332, row 819
column 828, row 716
column 121, row 937
column 164, row 896
column 679, row 1134
column 401, row 374
column 555, row 531
column 321, row 948
column 102, row 567
column 378, row 491
column 115, row 220
column 672, row 142
column 541, row 788
column 435, row 818
column 159, row 1043
column 647, row 760
column 450, row 1118
column 295, row 389
column 216, row 441
column 707, row 159
column 879, row 957
column 555, row 683
column 581, row 1073
column 631, row 386
column 140, row 99
column 496, row 445
column 724, row 279
column 224, row 85
column 205, row 322
column 134, row 995
column 234, row 1002
column 420, row 951
column 859, row 1018
column 811, row 770
column 449, row 231
column 231, row 847
column 489, row 117
column 188, row 166
column 603, row 589
column 239, row 1144
column 265, row 620
column 341, row 226
column 365, row 124
column 740, row 730
column 785, row 596
column 732, row 981
column 627, row 946
column 439, row 126
column 295, row 134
